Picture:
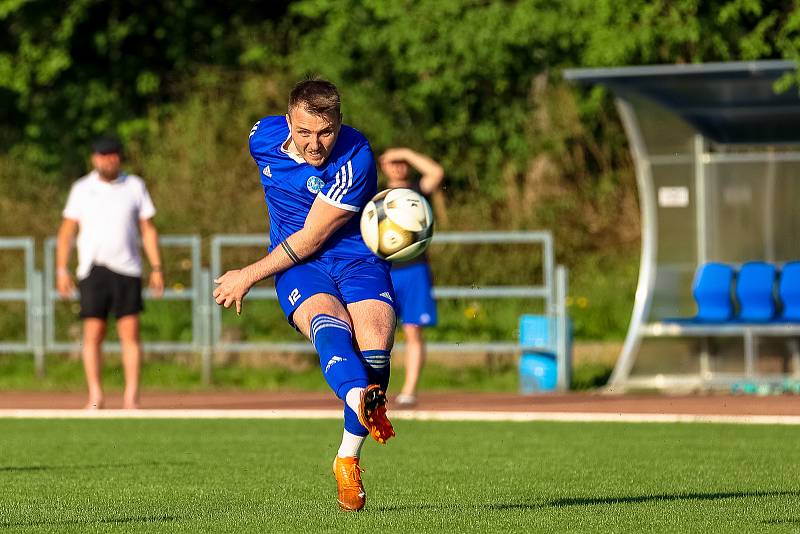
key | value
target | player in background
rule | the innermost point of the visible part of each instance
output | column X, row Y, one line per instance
column 412, row 280
column 317, row 175
column 110, row 211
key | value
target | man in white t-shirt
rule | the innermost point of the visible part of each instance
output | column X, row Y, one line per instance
column 110, row 211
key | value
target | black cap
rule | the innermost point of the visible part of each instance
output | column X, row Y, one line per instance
column 107, row 145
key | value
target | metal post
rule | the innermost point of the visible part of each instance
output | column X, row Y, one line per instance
column 37, row 317
column 551, row 300
column 563, row 360
column 216, row 267
column 647, row 265
column 700, row 198
column 769, row 207
column 205, row 309
column 198, row 292
column 49, row 293
column 549, row 268
column 794, row 352
column 30, row 293
column 749, row 353
column 705, row 359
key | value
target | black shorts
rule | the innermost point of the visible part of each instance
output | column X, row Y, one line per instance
column 105, row 291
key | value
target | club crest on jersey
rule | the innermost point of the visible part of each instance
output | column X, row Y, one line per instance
column 314, row 184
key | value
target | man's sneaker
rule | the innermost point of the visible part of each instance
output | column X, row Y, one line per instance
column 404, row 400
column 372, row 413
column 351, row 496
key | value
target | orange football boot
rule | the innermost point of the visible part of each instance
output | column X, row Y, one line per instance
column 372, row 413
column 351, row 496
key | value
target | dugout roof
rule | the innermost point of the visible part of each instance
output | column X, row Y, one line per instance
column 731, row 103
column 716, row 148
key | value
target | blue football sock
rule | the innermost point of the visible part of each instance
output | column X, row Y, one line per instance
column 378, row 368
column 352, row 424
column 342, row 368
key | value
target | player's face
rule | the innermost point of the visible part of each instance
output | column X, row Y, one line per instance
column 396, row 172
column 313, row 135
column 107, row 165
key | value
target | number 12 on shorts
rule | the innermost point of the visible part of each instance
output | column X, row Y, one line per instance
column 294, row 296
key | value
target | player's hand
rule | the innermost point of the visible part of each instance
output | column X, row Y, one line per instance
column 393, row 154
column 233, row 286
column 65, row 284
column 157, row 283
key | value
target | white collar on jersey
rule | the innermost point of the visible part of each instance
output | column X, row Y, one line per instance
column 285, row 144
column 95, row 176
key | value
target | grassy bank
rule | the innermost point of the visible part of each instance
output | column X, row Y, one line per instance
column 193, row 155
column 295, row 373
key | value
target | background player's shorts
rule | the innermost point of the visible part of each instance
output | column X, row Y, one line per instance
column 104, row 292
column 349, row 280
column 413, row 286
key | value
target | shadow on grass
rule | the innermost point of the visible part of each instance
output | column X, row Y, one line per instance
column 789, row 521
column 588, row 501
column 99, row 521
column 601, row 501
column 76, row 467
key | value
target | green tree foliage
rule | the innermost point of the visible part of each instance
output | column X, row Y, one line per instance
column 461, row 76
column 454, row 76
column 72, row 70
column 457, row 76
column 474, row 83
column 477, row 84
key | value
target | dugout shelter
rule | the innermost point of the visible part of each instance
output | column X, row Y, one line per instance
column 716, row 151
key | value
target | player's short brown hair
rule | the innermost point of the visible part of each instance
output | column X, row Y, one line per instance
column 318, row 97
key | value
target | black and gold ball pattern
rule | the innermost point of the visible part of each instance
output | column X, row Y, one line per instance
column 397, row 224
column 393, row 238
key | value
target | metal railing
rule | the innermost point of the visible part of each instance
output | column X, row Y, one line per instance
column 197, row 294
column 552, row 292
column 41, row 296
column 31, row 296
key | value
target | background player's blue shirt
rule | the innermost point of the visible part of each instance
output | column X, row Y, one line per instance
column 348, row 180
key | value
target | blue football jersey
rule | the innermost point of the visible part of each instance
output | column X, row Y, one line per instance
column 348, row 180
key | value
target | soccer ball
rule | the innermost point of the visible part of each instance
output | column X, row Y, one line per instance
column 397, row 224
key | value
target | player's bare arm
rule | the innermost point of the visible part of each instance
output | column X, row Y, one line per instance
column 432, row 173
column 150, row 246
column 322, row 222
column 64, row 241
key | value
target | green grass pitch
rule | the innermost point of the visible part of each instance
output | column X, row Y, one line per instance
column 274, row 476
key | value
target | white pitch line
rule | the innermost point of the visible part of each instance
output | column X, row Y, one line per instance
column 419, row 415
column 171, row 414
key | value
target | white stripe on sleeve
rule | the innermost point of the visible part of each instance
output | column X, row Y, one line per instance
column 349, row 181
column 340, row 180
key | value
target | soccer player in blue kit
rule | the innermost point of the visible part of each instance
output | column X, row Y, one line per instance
column 317, row 175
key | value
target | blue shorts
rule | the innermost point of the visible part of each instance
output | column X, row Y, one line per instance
column 413, row 286
column 349, row 280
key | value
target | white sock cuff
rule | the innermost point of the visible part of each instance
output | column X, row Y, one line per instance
column 351, row 445
column 353, row 398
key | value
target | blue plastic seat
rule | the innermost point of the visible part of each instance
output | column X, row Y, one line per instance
column 789, row 291
column 755, row 292
column 712, row 292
